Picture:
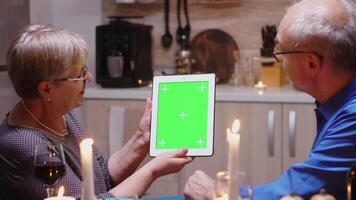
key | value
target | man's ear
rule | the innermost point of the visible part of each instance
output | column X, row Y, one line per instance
column 315, row 65
column 45, row 89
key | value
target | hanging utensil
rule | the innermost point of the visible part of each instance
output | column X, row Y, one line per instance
column 180, row 30
column 186, row 29
column 167, row 38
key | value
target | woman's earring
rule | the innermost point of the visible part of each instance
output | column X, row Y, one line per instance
column 48, row 99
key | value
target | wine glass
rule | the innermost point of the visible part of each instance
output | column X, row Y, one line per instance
column 243, row 190
column 49, row 165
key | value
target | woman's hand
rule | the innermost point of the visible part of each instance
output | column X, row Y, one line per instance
column 143, row 132
column 168, row 162
column 145, row 122
column 200, row 186
column 140, row 140
column 163, row 164
column 125, row 161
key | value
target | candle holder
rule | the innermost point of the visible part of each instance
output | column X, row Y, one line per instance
column 222, row 186
column 260, row 87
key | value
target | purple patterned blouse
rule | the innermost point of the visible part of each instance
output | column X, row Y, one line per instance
column 17, row 172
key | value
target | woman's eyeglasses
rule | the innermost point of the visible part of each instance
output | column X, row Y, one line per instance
column 81, row 77
column 277, row 54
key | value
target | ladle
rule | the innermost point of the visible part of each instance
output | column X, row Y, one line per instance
column 180, row 31
column 186, row 29
column 167, row 38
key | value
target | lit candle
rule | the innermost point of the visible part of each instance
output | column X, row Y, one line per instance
column 233, row 138
column 224, row 197
column 60, row 195
column 86, row 154
column 260, row 87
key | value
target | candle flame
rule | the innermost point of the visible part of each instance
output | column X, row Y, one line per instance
column 86, row 146
column 260, row 84
column 87, row 142
column 236, row 126
column 61, row 191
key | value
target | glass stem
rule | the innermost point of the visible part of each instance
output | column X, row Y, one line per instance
column 50, row 191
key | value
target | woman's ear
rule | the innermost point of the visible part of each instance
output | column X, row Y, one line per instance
column 315, row 64
column 45, row 89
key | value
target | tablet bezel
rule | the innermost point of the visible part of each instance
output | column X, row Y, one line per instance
column 157, row 80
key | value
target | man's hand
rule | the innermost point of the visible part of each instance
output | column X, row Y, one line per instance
column 200, row 186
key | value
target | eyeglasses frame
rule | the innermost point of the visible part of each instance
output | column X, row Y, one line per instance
column 275, row 54
column 83, row 76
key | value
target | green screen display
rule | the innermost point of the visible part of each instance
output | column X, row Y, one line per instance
column 182, row 118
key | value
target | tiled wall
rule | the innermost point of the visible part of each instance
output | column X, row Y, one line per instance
column 242, row 19
column 13, row 15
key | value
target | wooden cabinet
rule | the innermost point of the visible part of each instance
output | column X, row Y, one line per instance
column 254, row 158
column 95, row 116
column 299, row 132
column 273, row 136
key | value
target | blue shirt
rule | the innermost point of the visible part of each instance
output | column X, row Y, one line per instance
column 332, row 153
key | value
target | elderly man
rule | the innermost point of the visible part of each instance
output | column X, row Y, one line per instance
column 316, row 44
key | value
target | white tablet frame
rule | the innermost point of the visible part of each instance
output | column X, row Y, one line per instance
column 211, row 111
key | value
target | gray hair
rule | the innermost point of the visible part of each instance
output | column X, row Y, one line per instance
column 42, row 53
column 337, row 44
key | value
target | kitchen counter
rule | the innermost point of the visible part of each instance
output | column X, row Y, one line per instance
column 224, row 93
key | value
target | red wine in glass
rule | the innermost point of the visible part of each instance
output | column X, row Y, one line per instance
column 49, row 165
column 49, row 173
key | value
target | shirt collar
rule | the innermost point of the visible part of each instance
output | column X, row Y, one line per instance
column 337, row 101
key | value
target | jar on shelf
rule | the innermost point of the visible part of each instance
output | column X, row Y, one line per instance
column 250, row 76
column 238, row 74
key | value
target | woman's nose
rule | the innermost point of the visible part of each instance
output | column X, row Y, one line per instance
column 89, row 77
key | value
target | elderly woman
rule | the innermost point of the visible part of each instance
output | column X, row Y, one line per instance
column 47, row 68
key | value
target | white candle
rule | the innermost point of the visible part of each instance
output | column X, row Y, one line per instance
column 233, row 138
column 60, row 198
column 60, row 195
column 86, row 154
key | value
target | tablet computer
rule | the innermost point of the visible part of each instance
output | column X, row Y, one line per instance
column 183, row 114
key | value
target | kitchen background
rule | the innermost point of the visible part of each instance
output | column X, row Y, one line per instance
column 242, row 19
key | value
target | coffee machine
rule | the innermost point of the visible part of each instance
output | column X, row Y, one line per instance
column 123, row 53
